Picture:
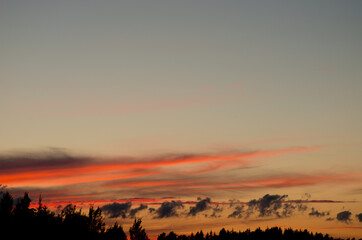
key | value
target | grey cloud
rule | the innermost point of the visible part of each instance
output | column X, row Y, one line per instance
column 290, row 208
column 133, row 212
column 216, row 210
column 267, row 205
column 115, row 210
column 233, row 202
column 344, row 216
column 359, row 217
column 237, row 213
column 151, row 210
column 46, row 160
column 274, row 205
column 168, row 209
column 316, row 213
column 201, row 205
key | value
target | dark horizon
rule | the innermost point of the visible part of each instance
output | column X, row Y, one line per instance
column 21, row 221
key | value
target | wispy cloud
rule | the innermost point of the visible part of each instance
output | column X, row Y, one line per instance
column 63, row 177
column 238, row 212
column 62, row 168
column 317, row 213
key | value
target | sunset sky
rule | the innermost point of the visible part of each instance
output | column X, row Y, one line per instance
column 190, row 114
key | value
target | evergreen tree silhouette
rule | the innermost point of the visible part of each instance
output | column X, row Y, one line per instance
column 6, row 215
column 171, row 236
column 6, row 207
column 162, row 236
column 96, row 221
column 115, row 233
column 136, row 232
column 199, row 235
column 23, row 222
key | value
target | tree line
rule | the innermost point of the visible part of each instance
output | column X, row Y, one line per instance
column 274, row 233
column 19, row 221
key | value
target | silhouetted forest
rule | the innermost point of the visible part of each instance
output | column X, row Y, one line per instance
column 275, row 233
column 19, row 221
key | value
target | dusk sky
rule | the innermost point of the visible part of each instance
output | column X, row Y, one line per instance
column 190, row 114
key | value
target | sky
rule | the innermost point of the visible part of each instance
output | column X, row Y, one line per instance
column 190, row 114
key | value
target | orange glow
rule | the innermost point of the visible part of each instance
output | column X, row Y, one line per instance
column 150, row 183
column 83, row 174
column 279, row 182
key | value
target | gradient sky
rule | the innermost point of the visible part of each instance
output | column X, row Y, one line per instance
column 159, row 101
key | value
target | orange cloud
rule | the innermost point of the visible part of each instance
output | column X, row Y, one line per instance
column 209, row 185
column 83, row 170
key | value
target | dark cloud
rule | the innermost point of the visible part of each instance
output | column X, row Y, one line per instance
column 57, row 158
column 216, row 210
column 316, row 213
column 46, row 160
column 344, row 216
column 274, row 205
column 168, row 209
column 201, row 205
column 291, row 207
column 115, row 210
column 133, row 212
column 237, row 213
column 267, row 205
column 359, row 217
column 233, row 202
column 151, row 210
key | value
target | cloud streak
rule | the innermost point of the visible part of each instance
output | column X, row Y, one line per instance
column 62, row 177
column 61, row 167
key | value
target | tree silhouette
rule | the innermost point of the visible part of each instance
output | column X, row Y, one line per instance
column 6, row 214
column 162, row 236
column 115, row 233
column 136, row 232
column 23, row 222
column 96, row 220
column 199, row 236
column 171, row 236
column 6, row 206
